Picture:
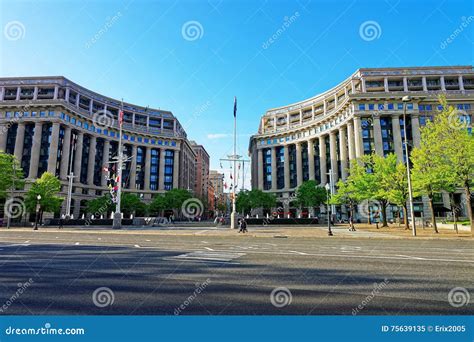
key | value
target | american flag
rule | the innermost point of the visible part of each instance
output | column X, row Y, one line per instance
column 120, row 117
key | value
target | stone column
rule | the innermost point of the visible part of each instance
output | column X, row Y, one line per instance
column 105, row 162
column 64, row 167
column 311, row 159
column 91, row 162
column 133, row 168
column 53, row 148
column 397, row 137
column 415, row 129
column 3, row 137
column 286, row 165
column 322, row 160
column 19, row 141
column 423, row 82
column 176, row 170
column 146, row 182
column 35, row 151
column 461, row 83
column 274, row 169
column 359, row 146
column 333, row 155
column 350, row 140
column 405, row 84
column 299, row 165
column 260, row 169
column 78, row 157
column 378, row 136
column 161, row 174
column 343, row 152
column 443, row 84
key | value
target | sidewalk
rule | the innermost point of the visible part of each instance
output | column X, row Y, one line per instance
column 319, row 231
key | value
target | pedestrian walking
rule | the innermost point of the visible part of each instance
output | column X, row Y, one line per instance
column 243, row 226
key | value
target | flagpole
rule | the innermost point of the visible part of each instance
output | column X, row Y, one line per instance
column 117, row 223
column 234, row 157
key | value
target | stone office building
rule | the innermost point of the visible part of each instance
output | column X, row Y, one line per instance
column 361, row 115
column 42, row 119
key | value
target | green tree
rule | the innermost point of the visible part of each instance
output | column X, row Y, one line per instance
column 455, row 149
column 158, row 205
column 100, row 206
column 396, row 177
column 379, row 180
column 176, row 197
column 254, row 199
column 132, row 204
column 48, row 186
column 353, row 190
column 310, row 194
column 11, row 174
column 242, row 202
column 431, row 174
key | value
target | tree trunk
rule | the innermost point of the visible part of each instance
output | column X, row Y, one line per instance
column 384, row 205
column 433, row 218
column 368, row 209
column 405, row 217
column 453, row 211
column 468, row 204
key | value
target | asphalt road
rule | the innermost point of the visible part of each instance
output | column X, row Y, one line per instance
column 132, row 274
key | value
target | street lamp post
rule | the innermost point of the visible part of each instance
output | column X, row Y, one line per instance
column 328, row 209
column 38, row 198
column 406, row 99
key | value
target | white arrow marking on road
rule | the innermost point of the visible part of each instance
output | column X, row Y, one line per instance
column 138, row 246
column 27, row 241
column 300, row 253
column 410, row 257
column 209, row 249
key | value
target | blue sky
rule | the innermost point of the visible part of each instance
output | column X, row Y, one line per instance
column 137, row 50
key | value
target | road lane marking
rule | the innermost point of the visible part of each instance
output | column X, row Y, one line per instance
column 77, row 243
column 209, row 249
column 137, row 246
column 207, row 256
column 299, row 253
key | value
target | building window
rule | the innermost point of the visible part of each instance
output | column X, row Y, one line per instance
column 267, row 169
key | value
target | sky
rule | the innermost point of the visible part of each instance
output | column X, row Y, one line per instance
column 193, row 57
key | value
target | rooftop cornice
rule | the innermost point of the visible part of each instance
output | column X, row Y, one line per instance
column 65, row 82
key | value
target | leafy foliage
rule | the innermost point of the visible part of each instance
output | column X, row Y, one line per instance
column 310, row 194
column 48, row 186
column 11, row 174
